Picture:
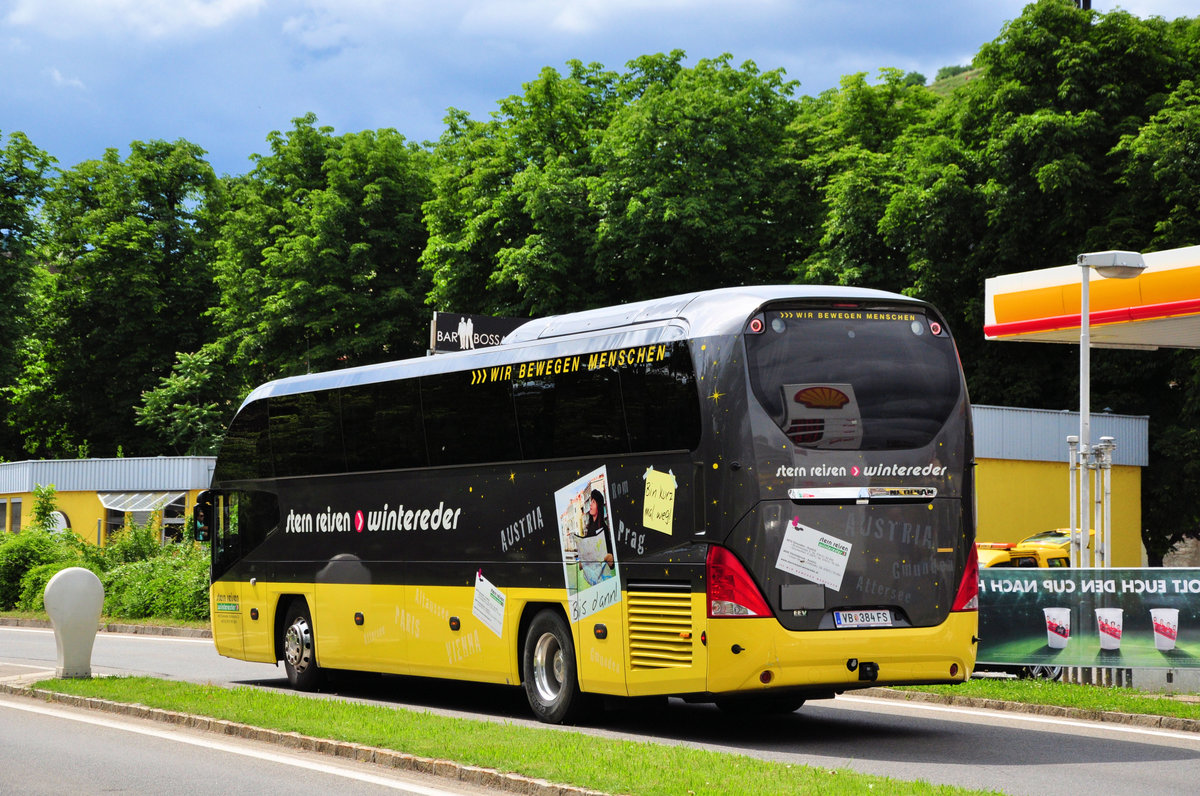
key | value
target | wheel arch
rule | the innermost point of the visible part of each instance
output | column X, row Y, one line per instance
column 282, row 606
column 528, row 612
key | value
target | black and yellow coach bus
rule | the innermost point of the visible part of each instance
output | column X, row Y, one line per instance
column 753, row 496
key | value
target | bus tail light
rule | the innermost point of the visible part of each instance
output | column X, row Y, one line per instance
column 967, row 598
column 731, row 591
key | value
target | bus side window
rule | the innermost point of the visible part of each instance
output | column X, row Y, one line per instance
column 227, row 547
column 202, row 515
column 662, row 405
column 306, row 433
column 571, row 414
column 246, row 451
column 468, row 423
column 243, row 521
column 381, row 424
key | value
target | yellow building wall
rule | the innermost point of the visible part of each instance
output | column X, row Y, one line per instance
column 1015, row 499
column 83, row 510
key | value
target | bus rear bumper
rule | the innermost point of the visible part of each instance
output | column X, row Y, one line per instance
column 758, row 654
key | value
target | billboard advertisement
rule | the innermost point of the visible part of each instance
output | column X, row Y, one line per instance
column 1133, row 618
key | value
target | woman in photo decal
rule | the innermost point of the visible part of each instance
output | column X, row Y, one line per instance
column 595, row 546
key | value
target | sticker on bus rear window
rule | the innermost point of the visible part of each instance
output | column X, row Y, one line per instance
column 810, row 554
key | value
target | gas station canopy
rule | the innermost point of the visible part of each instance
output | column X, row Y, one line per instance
column 1159, row 308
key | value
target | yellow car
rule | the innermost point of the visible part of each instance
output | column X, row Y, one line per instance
column 1020, row 554
column 1040, row 550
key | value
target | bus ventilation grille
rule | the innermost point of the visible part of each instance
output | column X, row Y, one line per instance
column 660, row 629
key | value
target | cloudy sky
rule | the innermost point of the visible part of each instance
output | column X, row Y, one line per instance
column 81, row 76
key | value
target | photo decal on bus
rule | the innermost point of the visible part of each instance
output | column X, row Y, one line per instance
column 590, row 565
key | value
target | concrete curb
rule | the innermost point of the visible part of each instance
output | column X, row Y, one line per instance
column 1054, row 711
column 115, row 627
column 443, row 769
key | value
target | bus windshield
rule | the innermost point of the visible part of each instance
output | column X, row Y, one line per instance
column 853, row 378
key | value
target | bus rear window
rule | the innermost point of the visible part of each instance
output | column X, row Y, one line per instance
column 853, row 378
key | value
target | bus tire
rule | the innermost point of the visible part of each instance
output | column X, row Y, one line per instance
column 548, row 669
column 299, row 649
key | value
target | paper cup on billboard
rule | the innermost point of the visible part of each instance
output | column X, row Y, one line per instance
column 1108, row 623
column 1058, row 627
column 1166, row 627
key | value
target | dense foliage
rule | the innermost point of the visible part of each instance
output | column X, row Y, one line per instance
column 149, row 295
column 141, row 577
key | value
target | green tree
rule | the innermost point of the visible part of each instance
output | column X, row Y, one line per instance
column 191, row 406
column 23, row 169
column 1162, row 170
column 1032, row 162
column 947, row 72
column 127, row 283
column 45, row 505
column 510, row 226
column 699, row 184
column 860, row 155
column 594, row 187
column 317, row 255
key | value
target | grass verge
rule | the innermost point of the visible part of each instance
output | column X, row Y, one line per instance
column 1069, row 695
column 565, row 757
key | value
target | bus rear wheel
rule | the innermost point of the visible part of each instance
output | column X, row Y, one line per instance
column 548, row 669
column 299, row 650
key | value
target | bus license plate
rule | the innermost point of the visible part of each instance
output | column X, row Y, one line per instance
column 862, row 618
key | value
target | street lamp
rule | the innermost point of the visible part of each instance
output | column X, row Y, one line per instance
column 1111, row 265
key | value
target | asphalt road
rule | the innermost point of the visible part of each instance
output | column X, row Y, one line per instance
column 50, row 749
column 1016, row 753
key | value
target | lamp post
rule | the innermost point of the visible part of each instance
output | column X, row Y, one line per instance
column 1111, row 265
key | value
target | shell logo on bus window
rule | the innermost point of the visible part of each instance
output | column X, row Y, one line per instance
column 822, row 416
column 821, row 398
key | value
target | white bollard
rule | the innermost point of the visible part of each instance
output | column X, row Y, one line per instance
column 74, row 599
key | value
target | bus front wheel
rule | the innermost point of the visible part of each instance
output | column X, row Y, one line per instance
column 548, row 669
column 299, row 650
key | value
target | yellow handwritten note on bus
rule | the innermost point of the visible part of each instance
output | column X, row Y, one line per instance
column 658, row 508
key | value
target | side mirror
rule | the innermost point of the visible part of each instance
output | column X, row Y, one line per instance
column 202, row 515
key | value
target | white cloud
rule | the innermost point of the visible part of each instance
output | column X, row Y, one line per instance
column 145, row 18
column 533, row 18
column 59, row 79
column 1168, row 9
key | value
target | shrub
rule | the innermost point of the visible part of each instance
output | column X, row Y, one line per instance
column 21, row 553
column 133, row 543
column 171, row 585
column 45, row 503
column 33, row 584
